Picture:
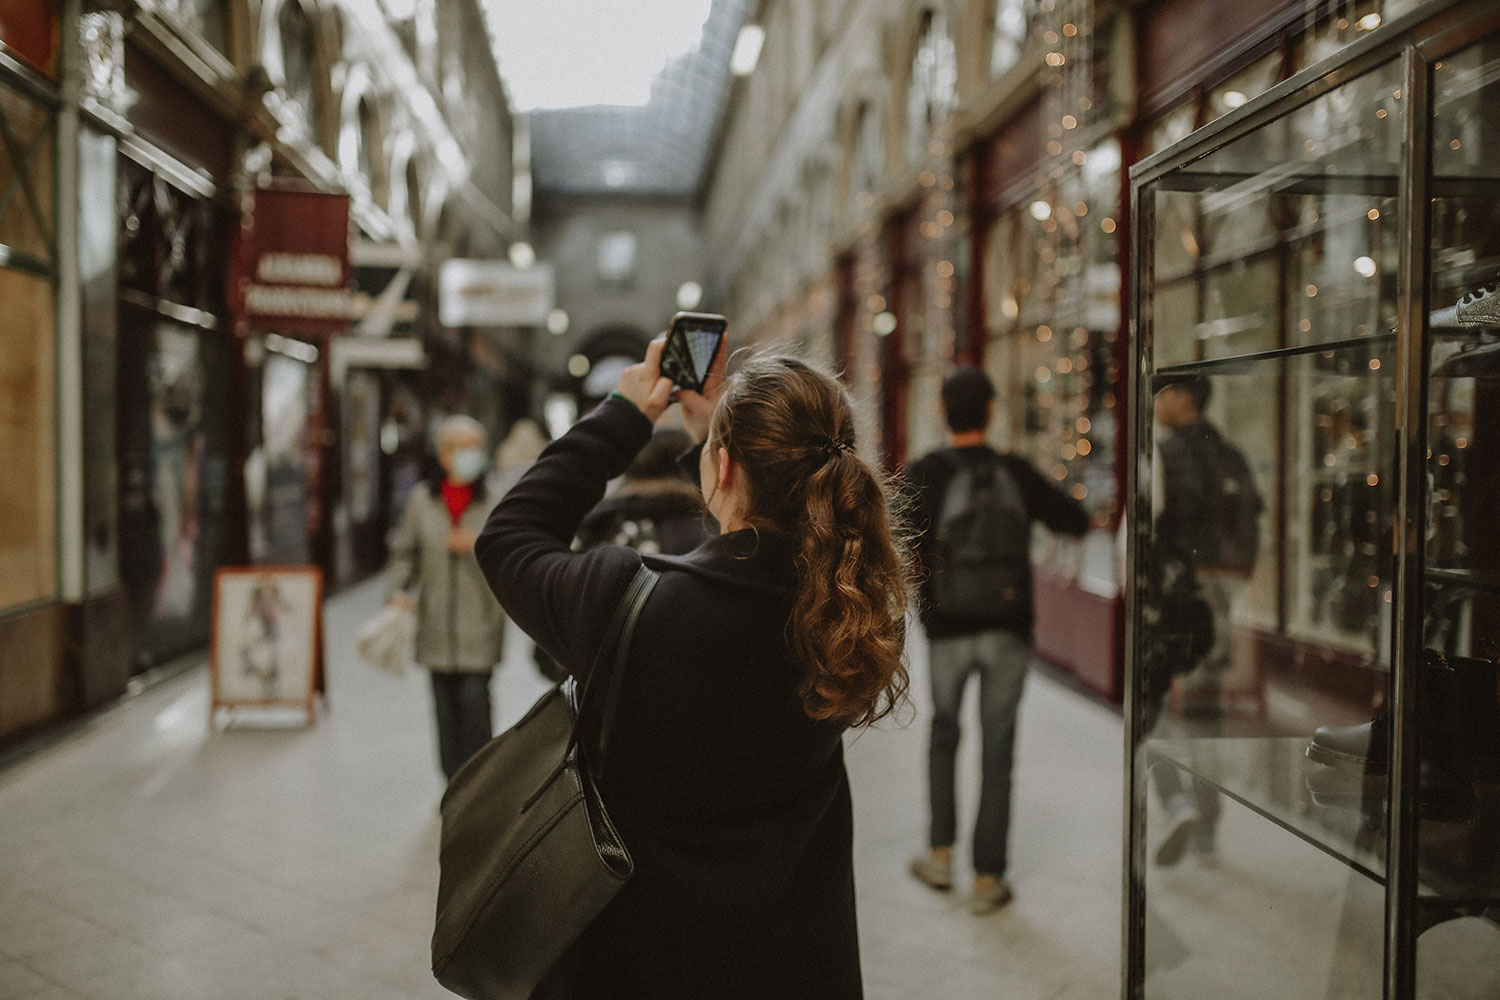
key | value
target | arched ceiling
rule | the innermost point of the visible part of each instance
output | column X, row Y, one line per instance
column 661, row 150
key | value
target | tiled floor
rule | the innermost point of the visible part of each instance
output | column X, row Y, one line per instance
column 149, row 856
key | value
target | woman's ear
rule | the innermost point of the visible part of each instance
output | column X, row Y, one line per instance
column 726, row 471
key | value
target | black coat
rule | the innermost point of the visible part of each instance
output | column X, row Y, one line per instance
column 734, row 804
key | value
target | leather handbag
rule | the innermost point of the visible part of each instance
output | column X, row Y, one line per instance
column 529, row 856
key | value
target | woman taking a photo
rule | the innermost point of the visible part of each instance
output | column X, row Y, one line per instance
column 753, row 654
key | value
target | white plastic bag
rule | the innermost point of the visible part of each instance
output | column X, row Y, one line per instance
column 383, row 641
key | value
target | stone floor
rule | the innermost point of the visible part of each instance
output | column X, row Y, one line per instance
column 147, row 855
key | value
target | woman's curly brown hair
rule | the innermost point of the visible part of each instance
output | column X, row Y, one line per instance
column 791, row 428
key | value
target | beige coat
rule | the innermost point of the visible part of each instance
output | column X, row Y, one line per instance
column 460, row 626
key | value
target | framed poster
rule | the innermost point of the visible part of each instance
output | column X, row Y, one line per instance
column 267, row 638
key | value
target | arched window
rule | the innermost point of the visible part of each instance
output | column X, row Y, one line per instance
column 414, row 196
column 299, row 64
column 933, row 91
column 207, row 18
column 1009, row 28
column 369, row 158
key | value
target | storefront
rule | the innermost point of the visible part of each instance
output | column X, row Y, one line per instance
column 176, row 396
column 33, row 681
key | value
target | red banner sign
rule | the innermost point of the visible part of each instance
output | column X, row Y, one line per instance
column 292, row 270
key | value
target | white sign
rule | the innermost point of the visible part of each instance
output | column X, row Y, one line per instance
column 494, row 293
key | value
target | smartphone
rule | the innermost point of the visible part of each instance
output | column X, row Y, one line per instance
column 692, row 342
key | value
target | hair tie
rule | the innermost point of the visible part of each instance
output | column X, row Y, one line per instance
column 830, row 446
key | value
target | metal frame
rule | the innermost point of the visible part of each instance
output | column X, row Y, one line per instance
column 1418, row 39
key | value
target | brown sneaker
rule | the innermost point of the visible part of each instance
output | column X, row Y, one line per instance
column 990, row 893
column 934, row 867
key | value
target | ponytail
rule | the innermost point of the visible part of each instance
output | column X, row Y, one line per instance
column 791, row 427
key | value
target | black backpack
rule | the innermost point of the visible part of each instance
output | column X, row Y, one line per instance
column 1234, row 507
column 980, row 567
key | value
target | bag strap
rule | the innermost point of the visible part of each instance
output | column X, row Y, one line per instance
column 634, row 600
column 619, row 635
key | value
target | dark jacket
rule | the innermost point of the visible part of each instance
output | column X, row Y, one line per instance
column 659, row 515
column 930, row 477
column 734, row 804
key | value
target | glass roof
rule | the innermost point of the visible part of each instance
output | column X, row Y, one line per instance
column 659, row 150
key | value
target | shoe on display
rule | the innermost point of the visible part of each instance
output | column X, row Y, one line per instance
column 1182, row 824
column 990, row 893
column 1364, row 745
column 1481, row 307
column 934, row 868
column 1458, row 735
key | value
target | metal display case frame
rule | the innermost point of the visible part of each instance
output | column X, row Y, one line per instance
column 1408, row 47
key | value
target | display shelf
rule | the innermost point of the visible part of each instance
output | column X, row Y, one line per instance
column 1342, row 813
column 1244, row 363
column 1468, row 579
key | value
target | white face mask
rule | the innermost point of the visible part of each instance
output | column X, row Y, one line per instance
column 468, row 464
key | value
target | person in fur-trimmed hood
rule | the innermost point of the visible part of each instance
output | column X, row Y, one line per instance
column 655, row 508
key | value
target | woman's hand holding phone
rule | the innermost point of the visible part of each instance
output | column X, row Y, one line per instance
column 652, row 392
column 644, row 384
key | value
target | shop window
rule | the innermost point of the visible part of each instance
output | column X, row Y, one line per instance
column 170, row 248
column 28, row 490
column 26, row 192
column 207, row 19
column 1009, row 27
column 299, row 64
column 932, row 92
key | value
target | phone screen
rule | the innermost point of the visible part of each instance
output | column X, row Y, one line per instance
column 691, row 345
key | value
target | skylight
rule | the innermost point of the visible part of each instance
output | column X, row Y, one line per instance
column 582, row 53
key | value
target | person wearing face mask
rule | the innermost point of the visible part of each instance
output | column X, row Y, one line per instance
column 460, row 628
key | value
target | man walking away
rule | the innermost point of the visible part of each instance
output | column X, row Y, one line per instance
column 975, row 507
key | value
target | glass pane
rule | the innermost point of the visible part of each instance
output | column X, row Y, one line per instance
column 1286, row 237
column 1457, row 711
column 207, row 17
column 25, row 176
column 1264, row 589
column 1234, row 684
column 28, row 414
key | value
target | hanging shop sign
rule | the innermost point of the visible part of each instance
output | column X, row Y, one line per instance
column 292, row 269
column 494, row 293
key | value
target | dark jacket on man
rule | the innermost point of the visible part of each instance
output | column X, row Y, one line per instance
column 931, row 475
column 734, row 804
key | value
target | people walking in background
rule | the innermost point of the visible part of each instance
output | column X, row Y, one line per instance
column 654, row 508
column 515, row 454
column 975, row 508
column 1206, row 510
column 753, row 655
column 460, row 628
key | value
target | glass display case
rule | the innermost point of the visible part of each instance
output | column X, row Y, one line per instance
column 1313, row 722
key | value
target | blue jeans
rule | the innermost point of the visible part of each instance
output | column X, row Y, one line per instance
column 462, row 702
column 1000, row 658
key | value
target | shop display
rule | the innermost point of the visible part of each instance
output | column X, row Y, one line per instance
column 1357, row 839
